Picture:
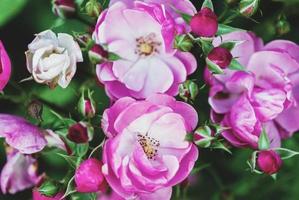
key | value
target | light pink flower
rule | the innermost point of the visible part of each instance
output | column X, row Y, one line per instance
column 21, row 135
column 5, row 67
column 146, row 153
column 144, row 42
column 19, row 173
column 260, row 97
column 173, row 7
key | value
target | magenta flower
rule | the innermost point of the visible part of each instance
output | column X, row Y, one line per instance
column 144, row 42
column 5, row 67
column 269, row 162
column 36, row 195
column 262, row 97
column 19, row 173
column 89, row 177
column 204, row 23
column 146, row 153
column 21, row 135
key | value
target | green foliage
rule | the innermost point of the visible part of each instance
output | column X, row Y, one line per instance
column 9, row 9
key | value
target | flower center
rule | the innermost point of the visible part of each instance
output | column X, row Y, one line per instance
column 147, row 45
column 149, row 145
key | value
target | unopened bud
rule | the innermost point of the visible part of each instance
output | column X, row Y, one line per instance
column 86, row 105
column 64, row 8
column 249, row 7
column 93, row 8
column 97, row 54
column 188, row 90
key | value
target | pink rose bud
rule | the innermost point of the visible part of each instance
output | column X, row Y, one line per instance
column 86, row 105
column 64, row 8
column 269, row 162
column 249, row 7
column 5, row 67
column 220, row 56
column 78, row 133
column 204, row 23
column 89, row 177
column 97, row 54
column 36, row 195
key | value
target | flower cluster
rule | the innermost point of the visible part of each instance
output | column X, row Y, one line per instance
column 142, row 54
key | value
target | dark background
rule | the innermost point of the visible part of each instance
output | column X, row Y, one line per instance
column 226, row 177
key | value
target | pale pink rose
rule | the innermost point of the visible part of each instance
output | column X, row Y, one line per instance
column 19, row 173
column 146, row 152
column 53, row 59
column 174, row 7
column 5, row 67
column 144, row 42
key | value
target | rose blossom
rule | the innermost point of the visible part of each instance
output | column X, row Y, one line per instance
column 19, row 172
column 5, row 67
column 269, row 161
column 88, row 176
column 264, row 96
column 52, row 59
column 173, row 7
column 145, row 42
column 146, row 153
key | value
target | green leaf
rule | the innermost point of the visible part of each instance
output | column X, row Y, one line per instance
column 264, row 142
column 70, row 189
column 219, row 145
column 230, row 45
column 208, row 4
column 187, row 18
column 9, row 9
column 235, row 65
column 113, row 56
column 72, row 160
column 81, row 149
column 48, row 188
column 286, row 153
column 206, row 46
column 224, row 29
column 214, row 68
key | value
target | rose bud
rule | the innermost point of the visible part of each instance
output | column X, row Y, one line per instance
column 269, row 161
column 220, row 56
column 203, row 136
column 86, row 105
column 282, row 26
column 248, row 7
column 36, row 195
column 97, row 54
column 79, row 133
column 188, row 90
column 93, row 8
column 204, row 23
column 64, row 8
column 89, row 177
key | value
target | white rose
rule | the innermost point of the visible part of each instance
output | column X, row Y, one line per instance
column 53, row 59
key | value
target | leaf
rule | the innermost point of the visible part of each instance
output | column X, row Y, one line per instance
column 220, row 145
column 81, row 149
column 235, row 65
column 286, row 153
column 214, row 68
column 264, row 142
column 72, row 160
column 70, row 189
column 230, row 45
column 224, row 29
column 113, row 56
column 48, row 188
column 206, row 46
column 9, row 9
column 207, row 4
column 187, row 18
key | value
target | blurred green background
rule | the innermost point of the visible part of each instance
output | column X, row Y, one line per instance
column 225, row 177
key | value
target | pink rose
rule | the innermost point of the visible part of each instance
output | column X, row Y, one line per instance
column 5, row 67
column 146, row 153
column 268, row 90
column 144, row 42
column 269, row 162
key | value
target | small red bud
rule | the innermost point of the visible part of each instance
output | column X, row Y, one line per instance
column 204, row 23
column 220, row 56
column 269, row 161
